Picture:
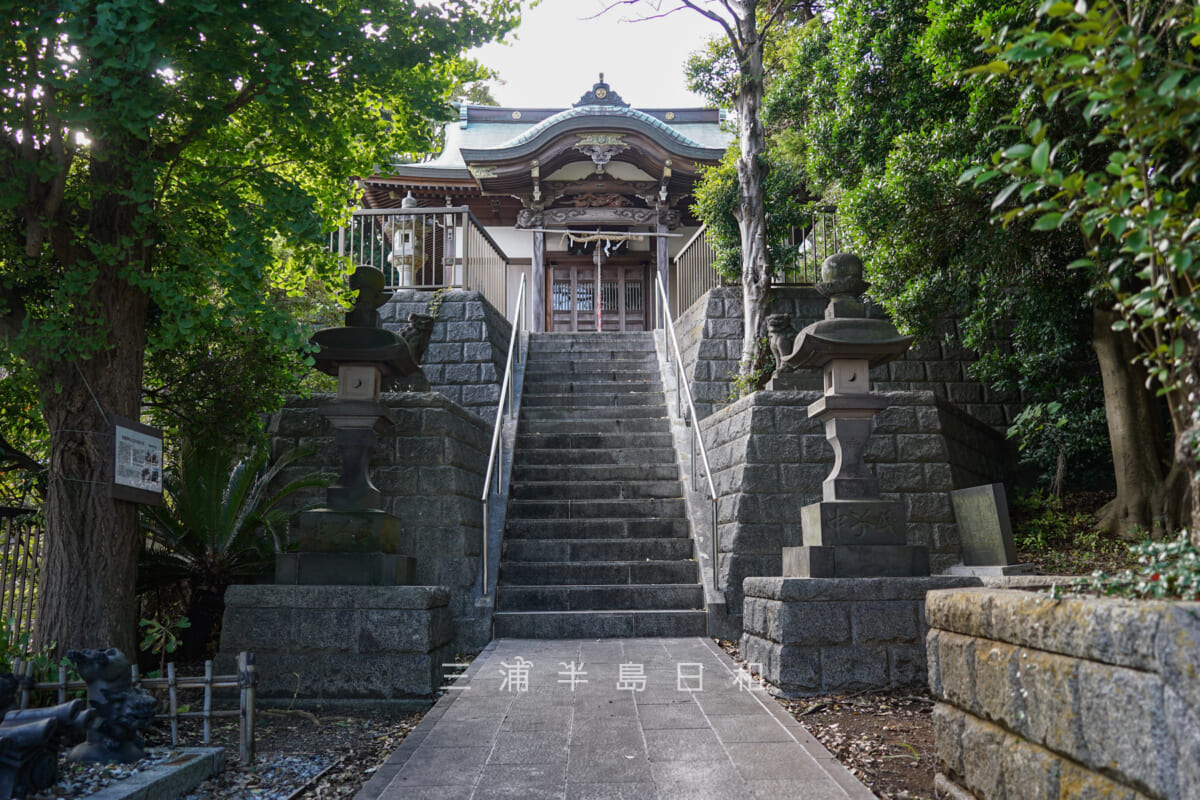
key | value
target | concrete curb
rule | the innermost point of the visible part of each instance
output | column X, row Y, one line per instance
column 170, row 779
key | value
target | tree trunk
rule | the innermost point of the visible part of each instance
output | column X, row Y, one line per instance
column 86, row 595
column 751, row 213
column 1146, row 499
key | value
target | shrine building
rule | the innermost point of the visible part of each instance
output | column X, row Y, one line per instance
column 588, row 203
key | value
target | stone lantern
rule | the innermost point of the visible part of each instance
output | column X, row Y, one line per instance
column 352, row 540
column 851, row 532
column 407, row 232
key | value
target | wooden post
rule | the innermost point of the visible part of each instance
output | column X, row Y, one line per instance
column 247, row 681
column 173, row 704
column 537, row 283
column 62, row 684
column 208, row 675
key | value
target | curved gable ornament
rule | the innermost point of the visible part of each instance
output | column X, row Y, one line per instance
column 601, row 147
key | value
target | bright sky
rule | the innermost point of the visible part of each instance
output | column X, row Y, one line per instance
column 557, row 54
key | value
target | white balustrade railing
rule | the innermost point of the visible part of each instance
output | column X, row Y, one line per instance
column 495, row 467
column 427, row 248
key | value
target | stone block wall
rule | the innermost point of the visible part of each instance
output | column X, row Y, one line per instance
column 822, row 635
column 1079, row 697
column 467, row 347
column 429, row 468
column 769, row 459
column 341, row 646
column 710, row 338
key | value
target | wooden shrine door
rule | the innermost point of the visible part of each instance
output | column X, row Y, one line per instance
column 621, row 296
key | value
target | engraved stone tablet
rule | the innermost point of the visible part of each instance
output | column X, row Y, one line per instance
column 983, row 525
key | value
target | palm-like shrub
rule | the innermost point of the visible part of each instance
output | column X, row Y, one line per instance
column 222, row 522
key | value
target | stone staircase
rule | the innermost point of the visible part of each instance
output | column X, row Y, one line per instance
column 597, row 541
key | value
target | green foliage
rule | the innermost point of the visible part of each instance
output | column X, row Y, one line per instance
column 161, row 637
column 1065, row 439
column 1041, row 525
column 1165, row 571
column 717, row 197
column 756, row 377
column 223, row 518
column 1126, row 75
column 16, row 645
column 874, row 110
column 223, row 521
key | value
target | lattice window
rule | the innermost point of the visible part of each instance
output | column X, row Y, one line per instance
column 585, row 296
column 560, row 296
column 633, row 297
column 609, row 295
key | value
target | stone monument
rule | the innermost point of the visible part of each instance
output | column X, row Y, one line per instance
column 852, row 532
column 986, row 533
column 352, row 540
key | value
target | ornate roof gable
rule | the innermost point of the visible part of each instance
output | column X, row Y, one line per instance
column 601, row 95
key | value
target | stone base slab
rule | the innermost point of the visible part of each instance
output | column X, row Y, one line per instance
column 341, row 645
column 817, row 635
column 345, row 569
column 365, row 531
column 852, row 522
column 993, row 570
column 856, row 561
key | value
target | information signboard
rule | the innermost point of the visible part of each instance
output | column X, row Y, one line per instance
column 137, row 461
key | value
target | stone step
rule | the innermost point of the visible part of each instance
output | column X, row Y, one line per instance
column 557, row 385
column 598, row 624
column 596, row 490
column 585, row 369
column 628, row 343
column 556, row 426
column 564, row 573
column 677, row 549
column 599, row 598
column 549, row 412
column 592, row 441
column 596, row 509
column 642, row 528
column 590, row 355
column 531, row 399
column 594, row 472
column 629, row 455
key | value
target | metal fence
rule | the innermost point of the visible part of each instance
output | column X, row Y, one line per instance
column 427, row 248
column 21, row 540
column 807, row 247
column 694, row 273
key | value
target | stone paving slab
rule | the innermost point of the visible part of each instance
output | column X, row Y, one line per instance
column 515, row 726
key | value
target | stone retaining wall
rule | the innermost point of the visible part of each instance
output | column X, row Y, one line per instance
column 822, row 635
column 467, row 347
column 710, row 338
column 1044, row 698
column 342, row 646
column 769, row 459
column 429, row 468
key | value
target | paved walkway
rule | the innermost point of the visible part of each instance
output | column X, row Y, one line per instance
column 598, row 742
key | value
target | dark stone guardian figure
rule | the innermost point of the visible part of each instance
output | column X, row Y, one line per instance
column 122, row 711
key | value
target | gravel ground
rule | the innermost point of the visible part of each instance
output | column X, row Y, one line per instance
column 300, row 755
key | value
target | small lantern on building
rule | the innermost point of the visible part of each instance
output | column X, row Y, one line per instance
column 407, row 232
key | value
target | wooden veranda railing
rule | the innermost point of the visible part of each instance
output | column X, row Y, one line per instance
column 427, row 248
column 808, row 246
column 21, row 538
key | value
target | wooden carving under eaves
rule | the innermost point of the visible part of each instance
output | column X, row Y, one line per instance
column 567, row 217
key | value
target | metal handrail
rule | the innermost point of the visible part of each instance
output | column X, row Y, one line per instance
column 683, row 391
column 496, row 454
